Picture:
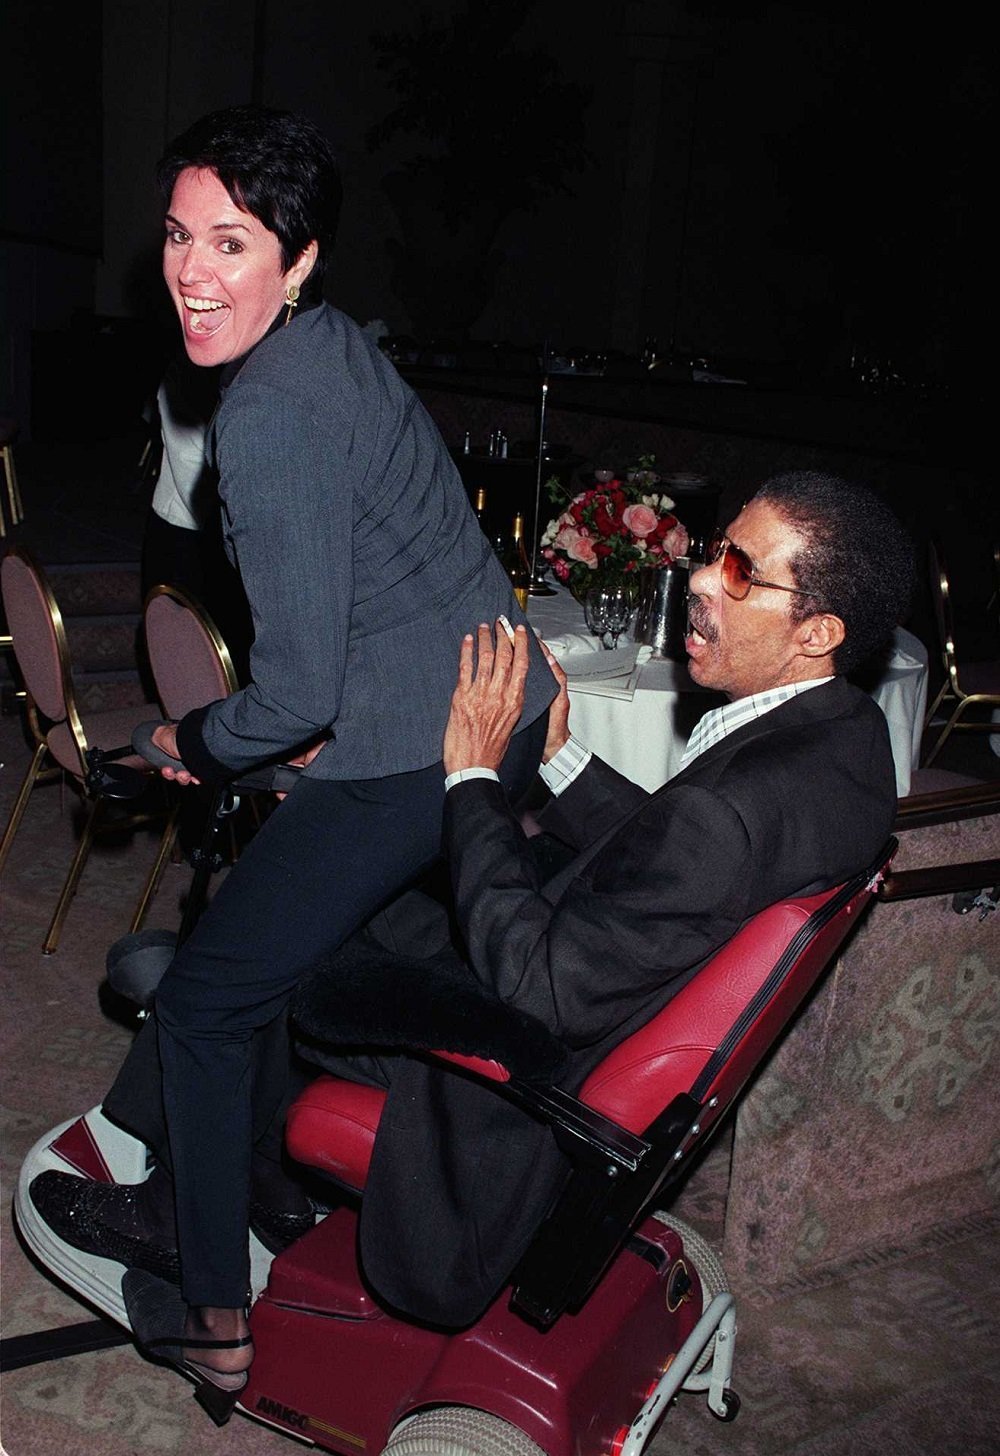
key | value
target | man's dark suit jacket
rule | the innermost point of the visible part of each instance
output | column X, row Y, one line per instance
column 791, row 803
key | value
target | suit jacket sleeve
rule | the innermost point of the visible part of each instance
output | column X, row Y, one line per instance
column 668, row 887
column 594, row 802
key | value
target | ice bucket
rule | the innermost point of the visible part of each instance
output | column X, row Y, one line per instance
column 661, row 619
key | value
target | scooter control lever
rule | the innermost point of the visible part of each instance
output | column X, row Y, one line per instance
column 142, row 743
column 278, row 778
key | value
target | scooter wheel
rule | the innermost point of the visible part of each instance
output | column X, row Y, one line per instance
column 731, row 1401
column 699, row 1252
column 458, row 1430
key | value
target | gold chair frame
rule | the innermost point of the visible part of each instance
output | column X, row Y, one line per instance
column 229, row 683
column 39, row 772
column 951, row 690
column 14, row 502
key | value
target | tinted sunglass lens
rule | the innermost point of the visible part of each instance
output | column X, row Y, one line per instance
column 737, row 573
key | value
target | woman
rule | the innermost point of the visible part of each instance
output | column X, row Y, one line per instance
column 364, row 567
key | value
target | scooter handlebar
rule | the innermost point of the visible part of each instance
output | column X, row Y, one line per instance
column 277, row 778
column 143, row 745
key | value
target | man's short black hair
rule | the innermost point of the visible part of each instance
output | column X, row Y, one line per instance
column 857, row 561
column 275, row 165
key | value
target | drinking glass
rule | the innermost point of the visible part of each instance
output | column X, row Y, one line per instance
column 608, row 611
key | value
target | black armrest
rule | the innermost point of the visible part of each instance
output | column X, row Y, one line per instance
column 594, row 1215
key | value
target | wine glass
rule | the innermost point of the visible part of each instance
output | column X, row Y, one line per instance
column 608, row 611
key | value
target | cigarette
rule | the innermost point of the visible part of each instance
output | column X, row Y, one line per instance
column 506, row 626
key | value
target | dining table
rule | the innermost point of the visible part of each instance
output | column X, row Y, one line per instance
column 636, row 709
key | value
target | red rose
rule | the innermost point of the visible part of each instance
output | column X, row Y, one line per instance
column 605, row 520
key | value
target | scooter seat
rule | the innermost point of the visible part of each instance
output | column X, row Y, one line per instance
column 704, row 1042
column 331, row 1126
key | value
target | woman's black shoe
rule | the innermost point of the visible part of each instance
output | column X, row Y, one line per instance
column 102, row 1219
column 157, row 1314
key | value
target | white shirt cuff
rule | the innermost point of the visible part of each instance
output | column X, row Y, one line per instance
column 461, row 774
column 565, row 766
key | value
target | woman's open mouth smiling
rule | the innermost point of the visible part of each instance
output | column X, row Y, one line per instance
column 205, row 315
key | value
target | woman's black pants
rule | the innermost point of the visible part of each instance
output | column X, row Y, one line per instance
column 321, row 865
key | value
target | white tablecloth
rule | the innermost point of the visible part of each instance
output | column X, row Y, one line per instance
column 639, row 722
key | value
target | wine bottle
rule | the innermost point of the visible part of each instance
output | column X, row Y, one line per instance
column 515, row 562
column 480, row 507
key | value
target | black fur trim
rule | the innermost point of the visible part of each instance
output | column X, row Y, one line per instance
column 371, row 997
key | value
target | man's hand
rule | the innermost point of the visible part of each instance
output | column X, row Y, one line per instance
column 558, row 731
column 487, row 702
column 165, row 737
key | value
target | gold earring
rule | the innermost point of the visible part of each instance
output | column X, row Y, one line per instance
column 292, row 299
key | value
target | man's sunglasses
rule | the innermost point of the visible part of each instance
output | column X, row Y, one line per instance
column 738, row 574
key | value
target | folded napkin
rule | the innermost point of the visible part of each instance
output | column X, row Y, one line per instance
column 607, row 687
column 593, row 665
column 570, row 644
column 613, row 674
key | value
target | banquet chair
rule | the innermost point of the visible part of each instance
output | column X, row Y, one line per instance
column 62, row 735
column 189, row 660
column 967, row 685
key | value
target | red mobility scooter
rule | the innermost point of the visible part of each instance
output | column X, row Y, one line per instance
column 615, row 1308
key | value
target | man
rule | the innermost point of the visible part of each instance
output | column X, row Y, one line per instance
column 787, row 789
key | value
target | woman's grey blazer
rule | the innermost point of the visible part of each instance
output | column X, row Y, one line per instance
column 360, row 556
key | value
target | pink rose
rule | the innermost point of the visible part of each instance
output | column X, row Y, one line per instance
column 582, row 549
column 561, row 569
column 567, row 537
column 640, row 520
column 675, row 543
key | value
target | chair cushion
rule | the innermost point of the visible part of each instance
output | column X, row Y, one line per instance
column 980, row 677
column 109, row 729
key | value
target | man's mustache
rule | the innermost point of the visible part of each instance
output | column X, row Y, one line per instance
column 700, row 620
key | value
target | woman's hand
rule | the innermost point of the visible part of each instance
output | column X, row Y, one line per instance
column 165, row 738
column 487, row 702
column 301, row 760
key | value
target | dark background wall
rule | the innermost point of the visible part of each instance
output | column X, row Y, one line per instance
column 781, row 188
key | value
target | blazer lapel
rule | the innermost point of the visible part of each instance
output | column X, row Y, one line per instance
column 826, row 701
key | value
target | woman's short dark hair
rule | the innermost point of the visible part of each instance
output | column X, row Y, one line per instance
column 857, row 561
column 275, row 165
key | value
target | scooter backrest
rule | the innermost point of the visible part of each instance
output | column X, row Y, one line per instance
column 709, row 1038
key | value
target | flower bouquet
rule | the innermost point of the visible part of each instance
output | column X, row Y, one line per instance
column 614, row 529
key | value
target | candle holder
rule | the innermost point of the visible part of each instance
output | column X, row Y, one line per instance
column 539, row 586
